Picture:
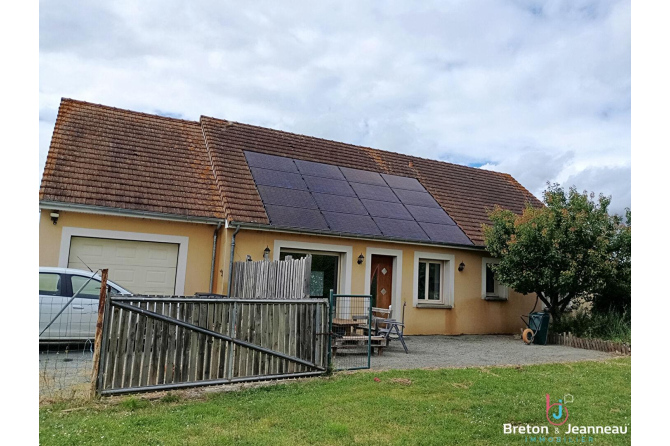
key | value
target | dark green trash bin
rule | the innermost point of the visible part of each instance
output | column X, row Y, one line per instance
column 539, row 323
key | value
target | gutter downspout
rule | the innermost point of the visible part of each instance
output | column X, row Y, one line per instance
column 232, row 256
column 211, row 271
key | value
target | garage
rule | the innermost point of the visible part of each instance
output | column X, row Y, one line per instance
column 140, row 266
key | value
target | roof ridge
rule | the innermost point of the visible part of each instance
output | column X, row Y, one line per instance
column 135, row 112
column 413, row 157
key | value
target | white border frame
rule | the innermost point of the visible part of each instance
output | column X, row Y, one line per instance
column 397, row 275
column 503, row 291
column 346, row 253
column 68, row 232
column 448, row 277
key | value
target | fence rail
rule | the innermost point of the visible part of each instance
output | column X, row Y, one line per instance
column 160, row 343
column 589, row 344
column 264, row 279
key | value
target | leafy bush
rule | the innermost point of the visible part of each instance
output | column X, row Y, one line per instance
column 611, row 326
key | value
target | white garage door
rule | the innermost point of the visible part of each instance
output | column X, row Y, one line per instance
column 141, row 267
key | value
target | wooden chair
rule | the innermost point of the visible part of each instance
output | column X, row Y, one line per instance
column 391, row 325
column 379, row 315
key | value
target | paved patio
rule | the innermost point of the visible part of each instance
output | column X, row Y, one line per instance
column 475, row 350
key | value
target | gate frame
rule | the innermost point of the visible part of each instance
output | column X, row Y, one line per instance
column 104, row 334
column 331, row 307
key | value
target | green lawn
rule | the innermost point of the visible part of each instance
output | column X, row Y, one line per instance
column 447, row 406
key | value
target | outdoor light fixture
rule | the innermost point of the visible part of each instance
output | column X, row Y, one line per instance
column 461, row 267
column 266, row 253
column 54, row 217
column 248, row 258
column 360, row 258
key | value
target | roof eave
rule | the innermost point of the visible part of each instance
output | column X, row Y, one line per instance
column 271, row 228
column 102, row 210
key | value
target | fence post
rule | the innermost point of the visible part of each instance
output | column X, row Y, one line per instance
column 370, row 329
column 330, row 330
column 232, row 332
column 98, row 333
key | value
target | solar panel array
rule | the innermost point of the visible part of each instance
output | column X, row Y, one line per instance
column 315, row 196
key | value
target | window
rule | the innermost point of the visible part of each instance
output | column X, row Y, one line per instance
column 325, row 271
column 50, row 284
column 492, row 289
column 429, row 280
column 434, row 279
column 91, row 290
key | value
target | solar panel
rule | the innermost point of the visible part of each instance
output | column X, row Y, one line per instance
column 287, row 197
column 353, row 224
column 406, row 183
column 386, row 209
column 363, row 176
column 334, row 203
column 296, row 218
column 406, row 229
column 429, row 215
column 416, row 198
column 265, row 177
column 319, row 170
column 329, row 186
column 370, row 192
column 446, row 233
column 308, row 195
column 255, row 159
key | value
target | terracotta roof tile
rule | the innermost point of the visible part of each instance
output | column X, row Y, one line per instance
column 465, row 193
column 104, row 156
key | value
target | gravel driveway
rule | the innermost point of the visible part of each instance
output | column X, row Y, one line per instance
column 475, row 350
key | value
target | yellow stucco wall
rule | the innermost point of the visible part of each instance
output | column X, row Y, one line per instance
column 469, row 315
column 200, row 237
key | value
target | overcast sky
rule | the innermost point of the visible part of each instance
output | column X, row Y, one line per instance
column 537, row 89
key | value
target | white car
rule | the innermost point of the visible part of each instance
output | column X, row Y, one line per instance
column 78, row 319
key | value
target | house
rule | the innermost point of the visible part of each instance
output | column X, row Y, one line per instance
column 167, row 205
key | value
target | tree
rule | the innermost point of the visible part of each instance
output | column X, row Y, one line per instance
column 615, row 294
column 570, row 248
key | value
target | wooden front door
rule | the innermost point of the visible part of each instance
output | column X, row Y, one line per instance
column 381, row 280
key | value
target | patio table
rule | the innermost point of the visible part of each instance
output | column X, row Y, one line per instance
column 349, row 325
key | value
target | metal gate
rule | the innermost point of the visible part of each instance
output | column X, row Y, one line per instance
column 159, row 343
column 351, row 331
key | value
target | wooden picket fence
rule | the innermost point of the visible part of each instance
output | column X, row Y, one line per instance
column 265, row 279
column 570, row 340
column 159, row 343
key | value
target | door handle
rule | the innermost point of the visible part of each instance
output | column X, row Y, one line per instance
column 77, row 307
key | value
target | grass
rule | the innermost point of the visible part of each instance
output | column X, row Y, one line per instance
column 445, row 406
column 610, row 326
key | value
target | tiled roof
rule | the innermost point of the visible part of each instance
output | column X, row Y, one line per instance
column 465, row 193
column 103, row 156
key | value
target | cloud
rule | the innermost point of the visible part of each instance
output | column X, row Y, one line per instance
column 540, row 90
column 610, row 181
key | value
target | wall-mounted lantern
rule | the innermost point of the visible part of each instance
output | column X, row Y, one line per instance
column 54, row 217
column 461, row 267
column 361, row 258
column 266, row 253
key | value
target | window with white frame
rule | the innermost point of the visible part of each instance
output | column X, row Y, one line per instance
column 433, row 283
column 492, row 289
